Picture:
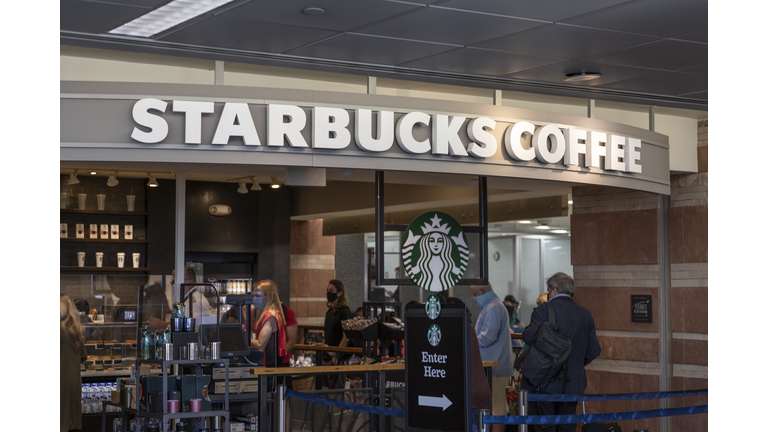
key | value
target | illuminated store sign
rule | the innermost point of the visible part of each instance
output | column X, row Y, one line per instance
column 331, row 130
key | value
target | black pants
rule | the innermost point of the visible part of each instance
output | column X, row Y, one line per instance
column 554, row 408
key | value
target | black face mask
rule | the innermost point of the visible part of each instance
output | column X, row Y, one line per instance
column 331, row 296
column 510, row 309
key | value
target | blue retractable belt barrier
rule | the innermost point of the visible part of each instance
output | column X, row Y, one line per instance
column 373, row 409
column 595, row 418
column 541, row 397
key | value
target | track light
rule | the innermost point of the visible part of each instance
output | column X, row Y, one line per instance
column 73, row 178
column 242, row 189
column 112, row 181
column 152, row 181
column 256, row 186
column 274, row 184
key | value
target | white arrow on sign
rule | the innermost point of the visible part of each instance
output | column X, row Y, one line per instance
column 437, row 402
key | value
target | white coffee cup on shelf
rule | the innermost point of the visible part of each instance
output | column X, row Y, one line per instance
column 130, row 201
column 81, row 259
column 136, row 257
column 99, row 259
column 120, row 259
column 81, row 201
column 100, row 200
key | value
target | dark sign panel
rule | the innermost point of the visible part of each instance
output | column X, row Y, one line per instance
column 437, row 370
column 642, row 308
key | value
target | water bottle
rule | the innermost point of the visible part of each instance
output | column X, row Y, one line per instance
column 83, row 396
column 96, row 398
column 87, row 407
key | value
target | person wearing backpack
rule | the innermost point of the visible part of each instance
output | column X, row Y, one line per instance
column 578, row 326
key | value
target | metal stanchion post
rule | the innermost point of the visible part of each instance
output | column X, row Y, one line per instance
column 522, row 407
column 481, row 426
column 281, row 408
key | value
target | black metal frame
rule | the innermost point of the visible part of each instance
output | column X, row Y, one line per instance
column 481, row 228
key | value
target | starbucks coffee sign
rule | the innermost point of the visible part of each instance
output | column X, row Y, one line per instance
column 435, row 251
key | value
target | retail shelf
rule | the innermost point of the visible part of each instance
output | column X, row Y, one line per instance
column 104, row 212
column 90, row 240
column 75, row 269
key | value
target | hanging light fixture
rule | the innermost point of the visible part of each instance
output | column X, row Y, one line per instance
column 242, row 189
column 112, row 181
column 152, row 181
column 274, row 184
column 256, row 186
column 73, row 178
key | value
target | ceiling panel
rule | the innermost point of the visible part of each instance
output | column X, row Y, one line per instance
column 141, row 3
column 667, row 18
column 370, row 49
column 341, row 15
column 480, row 62
column 701, row 70
column 548, row 10
column 699, row 36
column 449, row 26
column 246, row 35
column 555, row 73
column 666, row 83
column 91, row 17
column 667, row 54
column 566, row 42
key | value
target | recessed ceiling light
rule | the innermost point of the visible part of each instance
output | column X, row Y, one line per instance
column 524, row 222
column 582, row 76
column 93, row 172
column 313, row 11
column 169, row 15
column 559, row 232
column 570, row 202
column 542, row 227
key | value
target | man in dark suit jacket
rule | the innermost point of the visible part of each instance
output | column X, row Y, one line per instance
column 577, row 324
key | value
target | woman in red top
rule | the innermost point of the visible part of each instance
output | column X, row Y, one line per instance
column 269, row 329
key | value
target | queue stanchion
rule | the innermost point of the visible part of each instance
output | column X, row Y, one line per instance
column 281, row 408
column 481, row 426
column 522, row 407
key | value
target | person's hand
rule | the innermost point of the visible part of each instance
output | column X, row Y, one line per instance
column 156, row 323
column 335, row 360
column 319, row 344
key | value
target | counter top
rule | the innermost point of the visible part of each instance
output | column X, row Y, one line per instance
column 338, row 368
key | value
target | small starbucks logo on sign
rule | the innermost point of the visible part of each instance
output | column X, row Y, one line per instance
column 435, row 253
column 432, row 307
column 434, row 335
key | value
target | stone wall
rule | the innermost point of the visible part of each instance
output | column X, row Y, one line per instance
column 312, row 266
column 614, row 252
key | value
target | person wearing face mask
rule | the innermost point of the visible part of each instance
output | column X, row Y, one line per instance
column 492, row 330
column 515, row 325
column 269, row 328
column 338, row 311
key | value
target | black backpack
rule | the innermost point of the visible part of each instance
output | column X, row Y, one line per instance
column 547, row 357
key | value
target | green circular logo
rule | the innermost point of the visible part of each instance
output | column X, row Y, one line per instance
column 432, row 306
column 434, row 335
column 435, row 252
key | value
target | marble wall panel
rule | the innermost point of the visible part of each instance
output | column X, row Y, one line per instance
column 611, row 308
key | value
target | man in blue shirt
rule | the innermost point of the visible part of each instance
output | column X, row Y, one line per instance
column 492, row 329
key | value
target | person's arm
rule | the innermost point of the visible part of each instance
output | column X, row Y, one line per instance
column 291, row 334
column 538, row 316
column 157, row 323
column 488, row 331
column 83, row 354
column 263, row 337
column 593, row 346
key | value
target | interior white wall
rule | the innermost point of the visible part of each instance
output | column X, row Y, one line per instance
column 92, row 69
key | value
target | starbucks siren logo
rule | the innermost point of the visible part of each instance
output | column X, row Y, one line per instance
column 434, row 335
column 432, row 307
column 435, row 253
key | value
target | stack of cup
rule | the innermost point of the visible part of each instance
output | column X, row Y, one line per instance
column 130, row 201
column 120, row 259
column 136, row 257
column 100, row 200
column 99, row 259
column 81, row 259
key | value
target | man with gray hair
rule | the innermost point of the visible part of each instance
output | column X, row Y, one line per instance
column 492, row 330
column 577, row 324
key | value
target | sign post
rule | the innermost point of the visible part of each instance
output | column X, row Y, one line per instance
column 437, row 368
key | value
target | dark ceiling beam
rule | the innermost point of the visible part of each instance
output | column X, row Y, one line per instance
column 150, row 46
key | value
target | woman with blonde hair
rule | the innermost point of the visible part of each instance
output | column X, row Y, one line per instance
column 72, row 354
column 269, row 329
